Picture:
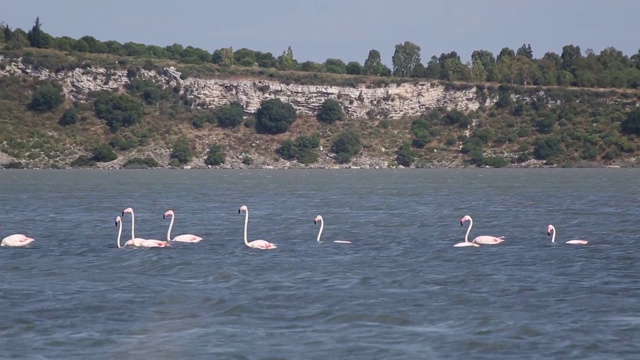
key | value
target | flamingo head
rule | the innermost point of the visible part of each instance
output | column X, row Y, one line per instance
column 465, row 219
column 118, row 219
column 167, row 214
column 550, row 228
column 127, row 211
column 317, row 219
column 243, row 208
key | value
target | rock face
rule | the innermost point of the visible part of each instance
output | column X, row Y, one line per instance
column 392, row 102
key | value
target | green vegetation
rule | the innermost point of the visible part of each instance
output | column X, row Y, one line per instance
column 141, row 163
column 564, row 109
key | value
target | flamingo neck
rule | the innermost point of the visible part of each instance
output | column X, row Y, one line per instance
column 246, row 222
column 320, row 232
column 119, row 233
column 169, row 231
column 553, row 237
column 466, row 236
column 133, row 225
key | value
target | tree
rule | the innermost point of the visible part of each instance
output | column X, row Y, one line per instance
column 103, row 153
column 223, row 57
column 274, row 116
column 373, row 65
column 548, row 148
column 215, row 156
column 36, row 36
column 335, row 66
column 118, row 110
column 69, row 117
column 6, row 32
column 302, row 149
column 487, row 60
column 405, row 155
column 525, row 50
column 570, row 56
column 354, row 68
column 182, row 152
column 46, row 98
column 330, row 111
column 286, row 60
column 433, row 70
column 245, row 57
column 631, row 125
column 230, row 116
column 405, row 58
column 346, row 145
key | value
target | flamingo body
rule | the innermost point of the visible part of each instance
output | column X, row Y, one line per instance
column 16, row 240
column 187, row 238
column 482, row 239
column 466, row 244
column 320, row 220
column 551, row 229
column 255, row 244
column 138, row 242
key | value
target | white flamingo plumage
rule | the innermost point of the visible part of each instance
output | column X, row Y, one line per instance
column 482, row 239
column 552, row 229
column 188, row 238
column 320, row 220
column 16, row 240
column 140, row 242
column 256, row 244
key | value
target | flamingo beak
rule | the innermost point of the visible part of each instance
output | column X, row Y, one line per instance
column 461, row 223
column 314, row 222
column 238, row 211
column 549, row 233
column 164, row 216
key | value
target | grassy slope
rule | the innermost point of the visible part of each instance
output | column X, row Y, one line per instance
column 38, row 138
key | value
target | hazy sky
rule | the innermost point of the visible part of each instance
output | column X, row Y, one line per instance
column 344, row 29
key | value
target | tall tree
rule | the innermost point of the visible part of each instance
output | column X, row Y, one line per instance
column 286, row 61
column 433, row 70
column 487, row 60
column 505, row 52
column 36, row 36
column 570, row 56
column 373, row 64
column 525, row 50
column 405, row 58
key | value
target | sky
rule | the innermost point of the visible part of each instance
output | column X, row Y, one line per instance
column 343, row 29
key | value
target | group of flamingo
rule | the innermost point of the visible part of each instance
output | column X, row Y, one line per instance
column 20, row 240
column 493, row 240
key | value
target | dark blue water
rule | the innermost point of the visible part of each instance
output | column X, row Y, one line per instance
column 400, row 291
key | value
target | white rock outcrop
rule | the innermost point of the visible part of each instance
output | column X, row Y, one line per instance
column 392, row 102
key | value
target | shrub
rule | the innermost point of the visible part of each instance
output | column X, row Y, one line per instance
column 631, row 125
column 330, row 111
column 83, row 161
column 118, row 110
column 346, row 145
column 274, row 116
column 215, row 156
column 247, row 160
column 46, row 98
column 495, row 161
column 14, row 165
column 103, row 153
column 120, row 143
column 302, row 149
column 181, row 151
column 69, row 117
column 230, row 116
column 405, row 155
column 141, row 163
column 548, row 148
column 470, row 145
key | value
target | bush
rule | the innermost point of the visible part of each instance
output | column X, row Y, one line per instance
column 121, row 143
column 247, row 160
column 103, row 153
column 141, row 163
column 470, row 145
column 548, row 148
column 215, row 156
column 46, row 98
column 631, row 125
column 302, row 149
column 330, row 111
column 274, row 116
column 230, row 116
column 83, row 161
column 495, row 161
column 405, row 155
column 14, row 165
column 69, row 117
column 181, row 152
column 118, row 110
column 346, row 145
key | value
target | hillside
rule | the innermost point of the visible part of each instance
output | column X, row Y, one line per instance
column 59, row 110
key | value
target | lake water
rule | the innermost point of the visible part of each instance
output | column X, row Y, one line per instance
column 400, row 291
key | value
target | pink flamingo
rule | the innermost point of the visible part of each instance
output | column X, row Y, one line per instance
column 483, row 239
column 16, row 240
column 551, row 229
column 189, row 238
column 140, row 242
column 257, row 244
column 319, row 219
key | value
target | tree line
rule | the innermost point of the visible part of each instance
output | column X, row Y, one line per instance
column 572, row 67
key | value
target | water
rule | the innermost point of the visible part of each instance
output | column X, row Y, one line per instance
column 401, row 291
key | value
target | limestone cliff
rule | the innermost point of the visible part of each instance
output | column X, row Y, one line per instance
column 393, row 101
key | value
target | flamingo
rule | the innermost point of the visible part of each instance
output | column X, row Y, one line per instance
column 482, row 239
column 257, row 244
column 16, row 240
column 319, row 219
column 140, row 242
column 551, row 229
column 189, row 238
